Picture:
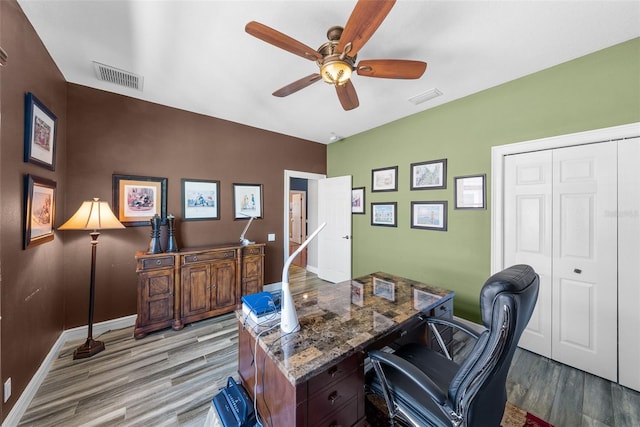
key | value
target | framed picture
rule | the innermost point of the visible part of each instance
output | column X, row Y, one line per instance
column 470, row 192
column 136, row 199
column 429, row 215
column 384, row 214
column 200, row 199
column 39, row 210
column 384, row 179
column 39, row 133
column 423, row 300
column 357, row 293
column 384, row 289
column 429, row 175
column 247, row 201
column 357, row 200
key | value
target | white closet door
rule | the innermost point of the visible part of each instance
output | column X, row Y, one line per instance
column 629, row 262
column 585, row 258
column 527, row 235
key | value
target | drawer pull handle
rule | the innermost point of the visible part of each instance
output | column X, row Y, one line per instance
column 158, row 262
column 195, row 258
column 332, row 372
column 333, row 397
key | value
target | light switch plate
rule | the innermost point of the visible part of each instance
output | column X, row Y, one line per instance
column 271, row 237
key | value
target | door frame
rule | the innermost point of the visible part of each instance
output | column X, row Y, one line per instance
column 498, row 154
column 312, row 210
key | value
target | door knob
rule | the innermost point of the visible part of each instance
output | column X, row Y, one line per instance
column 346, row 237
column 577, row 270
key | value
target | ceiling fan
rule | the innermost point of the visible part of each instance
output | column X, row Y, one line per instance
column 337, row 57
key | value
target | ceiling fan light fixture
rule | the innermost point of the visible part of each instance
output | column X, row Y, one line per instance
column 336, row 72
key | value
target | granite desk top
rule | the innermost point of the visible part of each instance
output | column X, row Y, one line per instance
column 337, row 320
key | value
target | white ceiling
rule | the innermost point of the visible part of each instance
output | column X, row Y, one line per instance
column 196, row 56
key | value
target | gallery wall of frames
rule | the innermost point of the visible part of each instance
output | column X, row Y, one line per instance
column 469, row 192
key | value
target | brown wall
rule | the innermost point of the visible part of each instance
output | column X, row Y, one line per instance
column 111, row 133
column 32, row 287
column 44, row 290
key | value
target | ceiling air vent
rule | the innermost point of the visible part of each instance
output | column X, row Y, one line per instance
column 424, row 97
column 120, row 77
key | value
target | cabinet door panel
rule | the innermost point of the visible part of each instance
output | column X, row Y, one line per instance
column 157, row 301
column 224, row 284
column 252, row 275
column 196, row 284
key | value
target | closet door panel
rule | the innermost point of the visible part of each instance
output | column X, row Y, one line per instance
column 527, row 235
column 585, row 258
column 629, row 262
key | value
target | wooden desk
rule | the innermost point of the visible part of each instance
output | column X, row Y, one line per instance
column 315, row 377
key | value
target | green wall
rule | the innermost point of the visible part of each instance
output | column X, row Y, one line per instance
column 595, row 91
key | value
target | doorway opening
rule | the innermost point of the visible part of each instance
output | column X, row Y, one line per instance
column 301, row 185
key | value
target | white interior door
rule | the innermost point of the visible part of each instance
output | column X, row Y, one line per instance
column 334, row 242
column 527, row 235
column 585, row 258
column 628, row 262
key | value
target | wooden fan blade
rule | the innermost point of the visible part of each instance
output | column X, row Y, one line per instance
column 297, row 85
column 363, row 22
column 283, row 41
column 347, row 96
column 391, row 68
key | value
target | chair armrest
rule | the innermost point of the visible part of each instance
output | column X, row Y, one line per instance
column 454, row 324
column 412, row 373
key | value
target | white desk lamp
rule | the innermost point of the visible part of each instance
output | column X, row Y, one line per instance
column 289, row 319
column 244, row 241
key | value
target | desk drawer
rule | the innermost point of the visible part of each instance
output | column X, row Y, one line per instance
column 335, row 373
column 331, row 400
column 343, row 417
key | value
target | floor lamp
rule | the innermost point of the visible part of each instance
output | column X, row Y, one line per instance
column 92, row 215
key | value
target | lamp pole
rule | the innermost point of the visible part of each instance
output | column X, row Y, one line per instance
column 90, row 346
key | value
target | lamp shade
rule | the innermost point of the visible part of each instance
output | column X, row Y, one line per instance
column 92, row 215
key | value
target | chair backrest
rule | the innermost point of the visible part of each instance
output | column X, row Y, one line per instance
column 507, row 300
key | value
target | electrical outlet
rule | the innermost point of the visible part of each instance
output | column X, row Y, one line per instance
column 7, row 390
column 271, row 237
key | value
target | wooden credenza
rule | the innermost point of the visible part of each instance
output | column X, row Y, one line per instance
column 194, row 284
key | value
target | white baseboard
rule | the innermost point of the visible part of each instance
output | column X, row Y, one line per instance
column 312, row 268
column 18, row 410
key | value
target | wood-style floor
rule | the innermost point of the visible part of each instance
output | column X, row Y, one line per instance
column 169, row 377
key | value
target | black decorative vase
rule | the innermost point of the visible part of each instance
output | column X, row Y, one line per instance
column 154, row 245
column 172, row 245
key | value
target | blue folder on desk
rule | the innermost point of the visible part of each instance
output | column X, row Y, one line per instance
column 262, row 302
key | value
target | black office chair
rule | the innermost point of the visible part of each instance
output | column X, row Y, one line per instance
column 422, row 387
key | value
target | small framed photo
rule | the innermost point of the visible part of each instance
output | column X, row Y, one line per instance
column 423, row 300
column 470, row 192
column 136, row 199
column 200, row 199
column 429, row 215
column 39, row 210
column 357, row 200
column 384, row 179
column 39, row 133
column 431, row 175
column 384, row 214
column 384, row 289
column 247, row 201
column 357, row 293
